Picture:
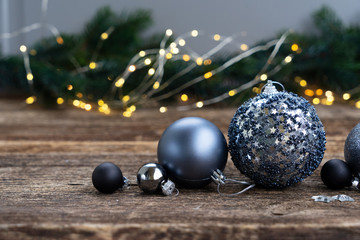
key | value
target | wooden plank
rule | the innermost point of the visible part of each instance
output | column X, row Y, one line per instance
column 47, row 157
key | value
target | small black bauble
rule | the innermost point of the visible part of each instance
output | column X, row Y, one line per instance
column 336, row 174
column 107, row 178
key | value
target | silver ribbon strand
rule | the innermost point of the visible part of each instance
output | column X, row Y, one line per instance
column 219, row 178
column 327, row 199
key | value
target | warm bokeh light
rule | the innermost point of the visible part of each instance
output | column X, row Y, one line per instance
column 151, row 71
column 168, row 32
column 232, row 93
column 23, row 48
column 263, row 77
column 92, row 65
column 70, row 87
column 303, row 83
column 319, row 92
column 186, row 57
column 294, row 47
column 208, row 75
column 288, row 59
column 194, row 33
column 217, row 37
column 104, row 36
column 346, row 96
column 60, row 40
column 168, row 56
column 199, row 104
column 126, row 98
column 60, row 100
column 309, row 92
column 244, row 47
column 199, row 61
column 156, row 85
column 184, row 97
column 147, row 61
column 120, row 82
column 357, row 104
column 29, row 76
column 182, row 42
column 163, row 109
column 142, row 53
column 316, row 101
column 30, row 100
column 132, row 68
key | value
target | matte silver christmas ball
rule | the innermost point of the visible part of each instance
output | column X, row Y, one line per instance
column 190, row 150
column 150, row 177
column 276, row 138
column 352, row 150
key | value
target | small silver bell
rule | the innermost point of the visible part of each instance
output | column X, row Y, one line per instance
column 152, row 178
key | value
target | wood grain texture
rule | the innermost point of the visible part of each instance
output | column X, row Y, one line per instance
column 47, row 158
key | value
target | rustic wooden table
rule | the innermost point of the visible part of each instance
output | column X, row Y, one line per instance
column 47, row 158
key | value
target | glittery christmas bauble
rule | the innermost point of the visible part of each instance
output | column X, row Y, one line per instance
column 352, row 150
column 276, row 138
column 190, row 150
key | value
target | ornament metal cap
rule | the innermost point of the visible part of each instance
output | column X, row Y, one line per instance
column 269, row 87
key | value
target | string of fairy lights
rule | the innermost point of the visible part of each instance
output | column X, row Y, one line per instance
column 154, row 87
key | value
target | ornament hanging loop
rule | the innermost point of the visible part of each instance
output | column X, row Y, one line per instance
column 219, row 178
column 269, row 87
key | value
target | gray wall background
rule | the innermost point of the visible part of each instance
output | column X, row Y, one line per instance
column 259, row 19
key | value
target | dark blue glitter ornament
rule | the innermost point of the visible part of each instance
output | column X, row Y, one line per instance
column 276, row 138
column 352, row 150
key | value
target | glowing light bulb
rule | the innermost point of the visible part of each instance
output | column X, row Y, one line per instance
column 319, row 92
column 168, row 32
column 23, row 48
column 76, row 103
column 88, row 107
column 182, row 42
column 173, row 45
column 30, row 100
column 70, row 87
column 217, row 37
column 168, row 56
column 244, row 47
column 126, row 98
column 175, row 50
column 100, row 102
column 163, row 109
column 120, row 82
column 294, row 47
column 127, row 114
column 207, row 62
column 132, row 68
column 184, row 97
column 29, row 76
column 162, row 52
column 263, row 77
column 316, row 101
column 147, row 61
column 208, row 75
column 92, row 65
column 199, row 61
column 232, row 93
column 60, row 100
column 151, row 71
column 303, row 83
column 309, row 92
column 328, row 93
column 60, row 40
column 79, row 95
column 194, row 33
column 199, row 104
column 132, row 108
column 357, row 104
column 142, row 53
column 156, row 85
column 346, row 96
column 104, row 36
column 186, row 57
column 288, row 59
